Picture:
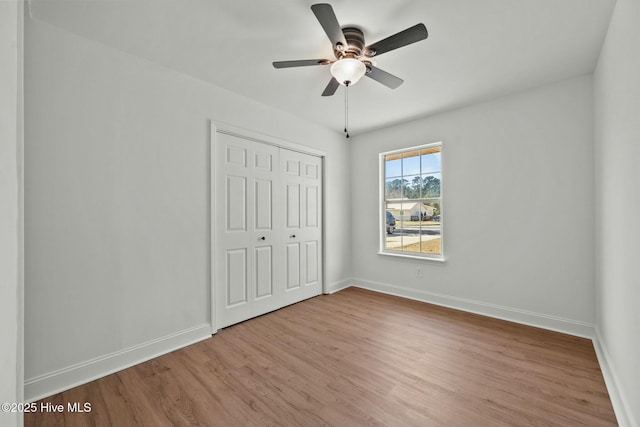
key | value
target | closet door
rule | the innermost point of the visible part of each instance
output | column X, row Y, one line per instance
column 301, row 184
column 268, row 245
column 246, row 231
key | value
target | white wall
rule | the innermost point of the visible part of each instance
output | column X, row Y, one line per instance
column 10, row 223
column 518, row 208
column 617, row 139
column 117, row 201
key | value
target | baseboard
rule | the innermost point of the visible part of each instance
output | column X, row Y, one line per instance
column 63, row 379
column 618, row 400
column 337, row 286
column 558, row 324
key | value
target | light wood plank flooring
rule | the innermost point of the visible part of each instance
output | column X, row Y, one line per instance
column 356, row 358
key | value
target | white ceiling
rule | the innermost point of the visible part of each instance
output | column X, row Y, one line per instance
column 476, row 49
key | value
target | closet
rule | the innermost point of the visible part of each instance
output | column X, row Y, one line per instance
column 268, row 227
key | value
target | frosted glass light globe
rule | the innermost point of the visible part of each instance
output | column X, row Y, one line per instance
column 348, row 70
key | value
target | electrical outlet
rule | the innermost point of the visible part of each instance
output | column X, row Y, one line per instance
column 419, row 272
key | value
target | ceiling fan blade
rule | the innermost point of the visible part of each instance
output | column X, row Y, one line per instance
column 326, row 17
column 331, row 87
column 389, row 80
column 410, row 35
column 300, row 63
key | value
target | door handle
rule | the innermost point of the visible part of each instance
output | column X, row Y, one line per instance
column 263, row 238
column 293, row 236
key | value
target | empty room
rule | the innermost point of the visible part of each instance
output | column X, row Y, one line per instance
column 284, row 212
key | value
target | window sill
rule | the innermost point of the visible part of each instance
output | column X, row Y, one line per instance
column 438, row 258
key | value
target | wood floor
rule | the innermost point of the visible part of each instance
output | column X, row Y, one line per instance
column 356, row 358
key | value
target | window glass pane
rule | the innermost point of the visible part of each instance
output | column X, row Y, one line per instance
column 430, row 163
column 411, row 165
column 393, row 168
column 431, row 242
column 412, row 201
column 420, row 234
column 430, row 185
column 393, row 188
column 412, row 187
column 393, row 240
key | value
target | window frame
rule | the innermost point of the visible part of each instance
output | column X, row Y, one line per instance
column 383, row 206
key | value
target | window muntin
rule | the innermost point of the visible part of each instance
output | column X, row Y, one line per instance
column 412, row 193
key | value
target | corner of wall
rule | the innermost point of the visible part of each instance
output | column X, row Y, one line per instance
column 618, row 399
column 616, row 132
column 338, row 286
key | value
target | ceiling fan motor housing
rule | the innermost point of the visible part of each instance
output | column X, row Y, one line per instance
column 355, row 43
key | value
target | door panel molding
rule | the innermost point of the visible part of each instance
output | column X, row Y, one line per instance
column 264, row 198
column 293, row 205
column 236, row 282
column 292, row 268
column 312, row 206
column 264, row 271
column 236, row 195
column 312, row 263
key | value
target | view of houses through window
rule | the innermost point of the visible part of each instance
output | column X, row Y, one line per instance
column 412, row 201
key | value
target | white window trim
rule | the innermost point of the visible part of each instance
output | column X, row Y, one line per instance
column 383, row 217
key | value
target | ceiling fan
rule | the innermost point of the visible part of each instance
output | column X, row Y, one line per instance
column 354, row 58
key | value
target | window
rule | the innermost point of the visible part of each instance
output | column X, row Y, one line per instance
column 411, row 182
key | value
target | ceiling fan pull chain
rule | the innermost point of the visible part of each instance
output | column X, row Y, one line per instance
column 346, row 108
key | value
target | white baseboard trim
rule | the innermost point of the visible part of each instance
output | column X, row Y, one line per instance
column 618, row 400
column 81, row 373
column 338, row 286
column 553, row 323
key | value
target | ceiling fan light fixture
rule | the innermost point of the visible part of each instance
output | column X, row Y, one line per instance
column 348, row 70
